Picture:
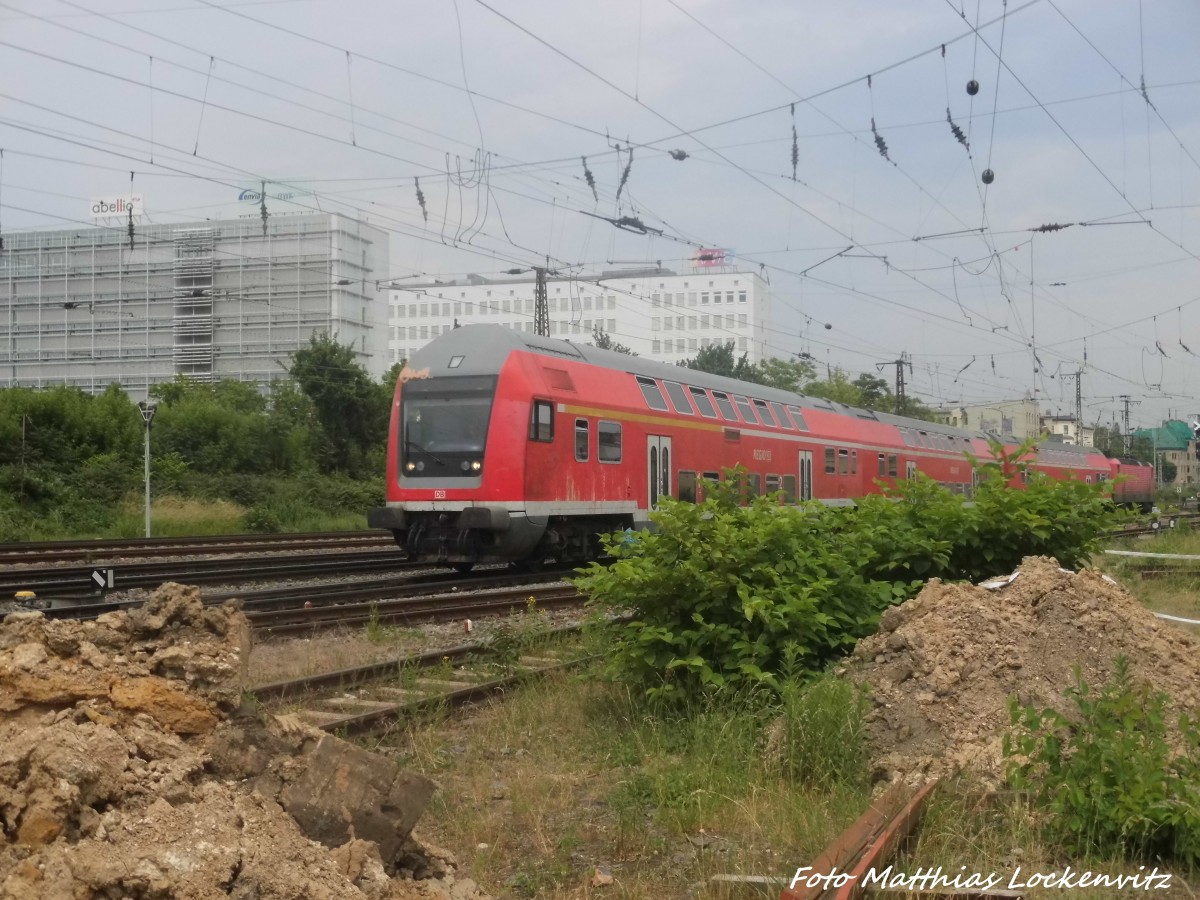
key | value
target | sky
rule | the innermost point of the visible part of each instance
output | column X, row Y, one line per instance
column 834, row 148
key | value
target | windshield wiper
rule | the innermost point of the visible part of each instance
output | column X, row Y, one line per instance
column 421, row 449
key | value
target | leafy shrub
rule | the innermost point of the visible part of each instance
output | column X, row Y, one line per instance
column 261, row 520
column 722, row 594
column 1109, row 782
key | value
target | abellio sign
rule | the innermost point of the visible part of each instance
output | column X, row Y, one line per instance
column 108, row 207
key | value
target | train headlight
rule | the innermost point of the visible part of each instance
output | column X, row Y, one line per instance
column 465, row 465
column 421, row 466
column 410, row 466
column 476, row 466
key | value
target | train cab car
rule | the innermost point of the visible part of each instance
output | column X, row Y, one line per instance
column 506, row 447
column 1133, row 483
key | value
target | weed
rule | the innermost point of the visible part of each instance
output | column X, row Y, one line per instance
column 1109, row 781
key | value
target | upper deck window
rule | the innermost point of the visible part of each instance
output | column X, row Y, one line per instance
column 652, row 394
column 724, row 405
column 745, row 410
column 798, row 418
column 678, row 397
column 763, row 412
column 777, row 408
column 703, row 403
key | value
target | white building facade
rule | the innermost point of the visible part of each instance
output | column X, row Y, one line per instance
column 656, row 313
column 1069, row 430
column 89, row 307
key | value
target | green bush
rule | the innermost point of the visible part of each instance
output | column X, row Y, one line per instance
column 261, row 520
column 1108, row 780
column 721, row 595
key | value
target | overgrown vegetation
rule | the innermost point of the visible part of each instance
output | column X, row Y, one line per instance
column 224, row 457
column 1107, row 780
column 729, row 596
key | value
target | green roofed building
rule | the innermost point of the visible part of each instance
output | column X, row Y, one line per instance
column 1175, row 443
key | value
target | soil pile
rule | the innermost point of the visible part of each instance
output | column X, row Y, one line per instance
column 944, row 664
column 129, row 767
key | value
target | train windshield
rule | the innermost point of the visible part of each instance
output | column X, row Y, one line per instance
column 444, row 423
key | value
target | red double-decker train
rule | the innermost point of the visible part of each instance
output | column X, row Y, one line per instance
column 505, row 447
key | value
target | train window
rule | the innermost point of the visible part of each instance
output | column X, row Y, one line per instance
column 455, row 362
column 651, row 393
column 686, row 484
column 830, row 456
column 921, row 439
column 608, row 442
column 714, row 477
column 703, row 403
column 893, row 465
column 581, row 440
column 798, row 418
column 753, row 485
column 541, row 421
column 772, row 484
column 882, row 465
column 843, row 462
column 745, row 410
column 789, row 488
column 780, row 415
column 763, row 412
column 908, row 438
column 853, row 462
column 678, row 397
column 724, row 405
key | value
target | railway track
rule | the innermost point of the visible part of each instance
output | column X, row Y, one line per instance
column 440, row 607
column 41, row 552
column 75, row 583
column 368, row 698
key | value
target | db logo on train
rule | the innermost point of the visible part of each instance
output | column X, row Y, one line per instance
column 439, row 495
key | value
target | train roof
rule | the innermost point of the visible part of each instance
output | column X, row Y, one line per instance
column 484, row 348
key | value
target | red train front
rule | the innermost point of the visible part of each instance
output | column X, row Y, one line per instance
column 509, row 447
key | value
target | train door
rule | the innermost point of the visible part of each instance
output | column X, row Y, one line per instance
column 658, row 469
column 910, row 470
column 806, row 484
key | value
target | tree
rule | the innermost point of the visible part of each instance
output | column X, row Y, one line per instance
column 604, row 341
column 718, row 359
column 350, row 412
column 786, row 375
column 874, row 392
column 837, row 387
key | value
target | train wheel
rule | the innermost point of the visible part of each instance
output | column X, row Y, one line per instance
column 462, row 568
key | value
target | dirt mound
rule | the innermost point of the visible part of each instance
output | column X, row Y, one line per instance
column 129, row 767
column 943, row 665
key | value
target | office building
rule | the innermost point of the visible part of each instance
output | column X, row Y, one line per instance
column 655, row 312
column 210, row 300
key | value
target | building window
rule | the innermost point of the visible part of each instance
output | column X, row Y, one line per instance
column 581, row 440
column 657, row 347
column 608, row 442
column 704, row 298
column 741, row 296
